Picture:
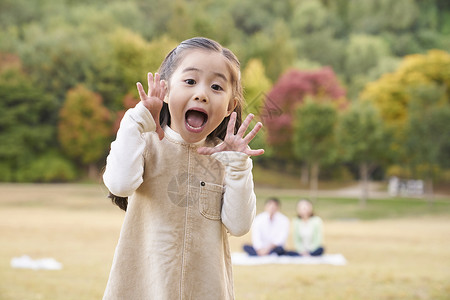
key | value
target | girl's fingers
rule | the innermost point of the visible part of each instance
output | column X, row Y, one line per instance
column 253, row 133
column 141, row 91
column 159, row 131
column 244, row 125
column 231, row 124
column 156, row 85
column 255, row 152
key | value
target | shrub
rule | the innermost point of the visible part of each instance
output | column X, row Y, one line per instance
column 51, row 167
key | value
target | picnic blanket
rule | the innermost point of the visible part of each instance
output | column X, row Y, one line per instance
column 243, row 259
column 26, row 262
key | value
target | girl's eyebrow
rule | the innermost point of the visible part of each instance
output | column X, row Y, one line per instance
column 218, row 74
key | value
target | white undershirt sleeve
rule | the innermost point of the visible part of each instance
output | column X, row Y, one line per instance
column 125, row 162
column 239, row 200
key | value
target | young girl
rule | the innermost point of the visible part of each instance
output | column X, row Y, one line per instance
column 307, row 230
column 188, row 178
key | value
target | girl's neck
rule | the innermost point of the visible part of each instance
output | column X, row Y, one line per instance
column 173, row 135
column 304, row 218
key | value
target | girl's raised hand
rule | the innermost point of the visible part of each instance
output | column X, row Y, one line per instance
column 236, row 142
column 153, row 100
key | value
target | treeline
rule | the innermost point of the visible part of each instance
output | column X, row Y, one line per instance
column 91, row 53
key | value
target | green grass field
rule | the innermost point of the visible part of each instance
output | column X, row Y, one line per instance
column 396, row 248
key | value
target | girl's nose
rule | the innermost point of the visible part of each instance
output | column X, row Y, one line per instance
column 203, row 99
column 201, row 96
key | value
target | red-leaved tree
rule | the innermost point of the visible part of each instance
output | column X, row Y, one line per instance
column 285, row 97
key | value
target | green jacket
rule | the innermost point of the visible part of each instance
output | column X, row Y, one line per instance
column 307, row 235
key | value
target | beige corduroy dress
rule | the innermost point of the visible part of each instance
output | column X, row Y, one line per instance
column 182, row 207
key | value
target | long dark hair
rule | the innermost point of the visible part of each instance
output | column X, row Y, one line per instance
column 168, row 67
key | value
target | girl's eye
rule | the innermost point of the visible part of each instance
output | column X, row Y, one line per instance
column 190, row 81
column 217, row 87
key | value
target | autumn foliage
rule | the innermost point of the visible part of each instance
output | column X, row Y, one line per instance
column 85, row 126
column 288, row 94
column 392, row 93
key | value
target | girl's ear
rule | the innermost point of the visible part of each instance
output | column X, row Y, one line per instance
column 232, row 106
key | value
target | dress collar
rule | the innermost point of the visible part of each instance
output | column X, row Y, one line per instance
column 175, row 136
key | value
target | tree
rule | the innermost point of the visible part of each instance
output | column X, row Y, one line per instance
column 251, row 18
column 57, row 59
column 427, row 144
column 317, row 29
column 375, row 16
column 84, row 127
column 313, row 136
column 412, row 101
column 27, row 120
column 287, row 94
column 127, row 61
column 363, row 140
column 362, row 54
column 255, row 84
column 392, row 93
column 273, row 46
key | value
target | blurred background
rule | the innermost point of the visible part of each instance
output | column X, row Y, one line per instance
column 353, row 95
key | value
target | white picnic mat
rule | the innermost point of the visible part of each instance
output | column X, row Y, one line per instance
column 26, row 262
column 243, row 259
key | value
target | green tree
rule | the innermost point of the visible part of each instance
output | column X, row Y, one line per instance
column 317, row 29
column 274, row 47
column 27, row 120
column 129, row 60
column 375, row 16
column 363, row 53
column 428, row 134
column 313, row 136
column 363, row 140
column 84, row 128
column 251, row 17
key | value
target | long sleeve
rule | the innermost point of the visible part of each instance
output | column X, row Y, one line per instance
column 317, row 235
column 298, row 243
column 282, row 229
column 308, row 236
column 258, row 232
column 125, row 162
column 239, row 200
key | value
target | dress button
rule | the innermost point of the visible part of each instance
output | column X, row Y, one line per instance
column 202, row 183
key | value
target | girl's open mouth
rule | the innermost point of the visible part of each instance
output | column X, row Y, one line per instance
column 195, row 119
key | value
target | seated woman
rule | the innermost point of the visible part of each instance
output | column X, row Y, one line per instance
column 307, row 230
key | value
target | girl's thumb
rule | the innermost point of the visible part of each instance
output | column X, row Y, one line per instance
column 160, row 132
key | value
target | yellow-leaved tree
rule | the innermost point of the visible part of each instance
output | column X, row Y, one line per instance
column 391, row 93
column 256, row 85
column 414, row 104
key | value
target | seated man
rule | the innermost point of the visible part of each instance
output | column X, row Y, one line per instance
column 270, row 231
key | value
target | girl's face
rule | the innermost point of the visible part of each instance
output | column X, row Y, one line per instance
column 199, row 95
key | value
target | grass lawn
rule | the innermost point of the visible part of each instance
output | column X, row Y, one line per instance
column 396, row 248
